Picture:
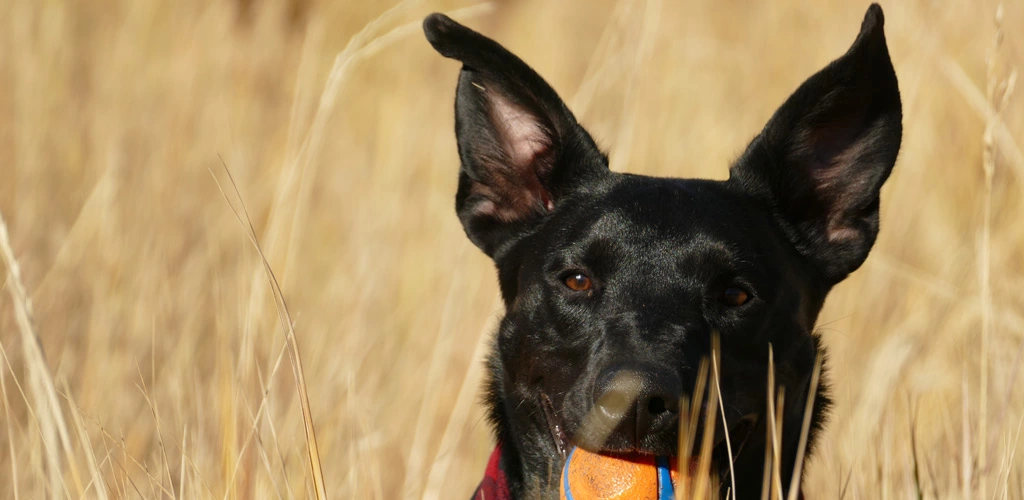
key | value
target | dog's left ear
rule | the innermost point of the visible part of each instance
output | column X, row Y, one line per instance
column 824, row 155
column 522, row 150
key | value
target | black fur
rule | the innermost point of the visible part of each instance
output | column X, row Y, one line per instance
column 663, row 256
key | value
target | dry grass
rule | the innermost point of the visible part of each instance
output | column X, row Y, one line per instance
column 161, row 344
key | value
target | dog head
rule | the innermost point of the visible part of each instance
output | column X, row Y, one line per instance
column 615, row 284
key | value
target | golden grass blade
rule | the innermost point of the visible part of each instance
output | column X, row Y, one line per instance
column 703, row 486
column 260, row 413
column 769, row 490
column 683, row 460
column 769, row 431
column 1012, row 454
column 805, row 429
column 181, row 466
column 914, row 452
column 312, row 450
column 974, row 97
column 716, row 358
column 153, row 480
column 159, row 433
column 696, row 403
column 52, row 424
column 997, row 103
column 985, row 260
column 776, row 424
column 10, row 433
column 265, row 387
column 689, row 416
column 966, row 464
column 96, row 477
column 264, row 458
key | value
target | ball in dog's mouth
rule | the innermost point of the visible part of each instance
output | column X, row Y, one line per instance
column 601, row 476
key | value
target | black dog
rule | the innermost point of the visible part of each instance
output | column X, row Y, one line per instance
column 605, row 274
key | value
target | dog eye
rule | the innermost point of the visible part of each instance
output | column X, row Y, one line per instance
column 578, row 282
column 734, row 296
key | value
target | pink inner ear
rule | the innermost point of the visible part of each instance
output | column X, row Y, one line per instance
column 521, row 134
column 515, row 187
column 842, row 182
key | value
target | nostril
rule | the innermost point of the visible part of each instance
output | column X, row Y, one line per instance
column 656, row 406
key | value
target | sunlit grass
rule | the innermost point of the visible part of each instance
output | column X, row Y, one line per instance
column 163, row 366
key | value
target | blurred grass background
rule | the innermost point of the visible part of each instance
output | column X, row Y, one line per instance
column 160, row 333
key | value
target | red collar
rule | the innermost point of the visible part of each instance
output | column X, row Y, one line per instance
column 495, row 484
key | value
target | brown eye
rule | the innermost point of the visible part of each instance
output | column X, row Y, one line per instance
column 734, row 296
column 578, row 282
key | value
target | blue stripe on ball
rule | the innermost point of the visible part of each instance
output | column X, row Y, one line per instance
column 565, row 475
column 666, row 490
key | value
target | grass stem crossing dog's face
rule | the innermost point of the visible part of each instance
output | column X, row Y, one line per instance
column 605, row 274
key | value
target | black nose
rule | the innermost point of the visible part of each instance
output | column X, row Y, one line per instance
column 637, row 400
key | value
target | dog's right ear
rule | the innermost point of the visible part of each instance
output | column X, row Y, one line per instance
column 522, row 150
column 824, row 155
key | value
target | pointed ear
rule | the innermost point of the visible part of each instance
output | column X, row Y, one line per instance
column 824, row 155
column 522, row 150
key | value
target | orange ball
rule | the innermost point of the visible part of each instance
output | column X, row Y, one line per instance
column 591, row 476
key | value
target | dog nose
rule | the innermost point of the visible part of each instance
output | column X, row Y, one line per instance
column 637, row 400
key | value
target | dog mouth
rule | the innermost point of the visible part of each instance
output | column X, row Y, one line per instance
column 734, row 439
column 558, row 436
column 739, row 432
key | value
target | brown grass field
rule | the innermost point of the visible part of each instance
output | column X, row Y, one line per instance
column 165, row 368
